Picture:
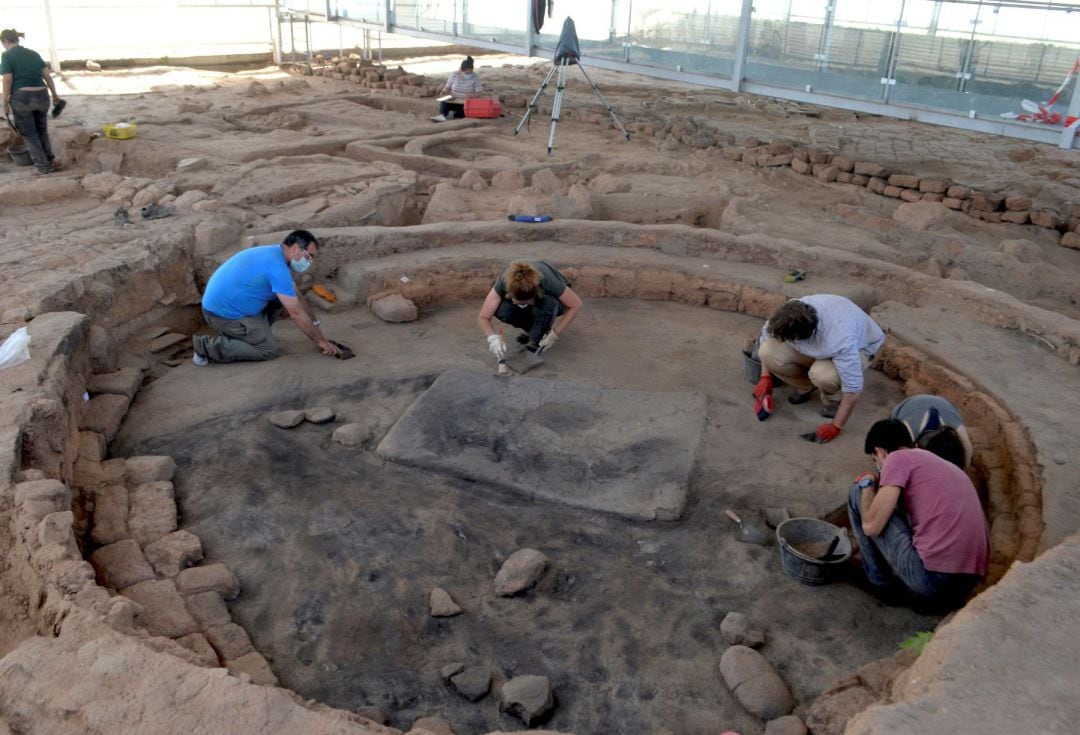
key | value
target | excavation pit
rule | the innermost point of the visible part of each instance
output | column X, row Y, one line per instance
column 337, row 548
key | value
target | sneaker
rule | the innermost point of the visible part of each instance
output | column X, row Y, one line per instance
column 55, row 166
column 829, row 410
column 438, row 118
column 796, row 398
column 199, row 360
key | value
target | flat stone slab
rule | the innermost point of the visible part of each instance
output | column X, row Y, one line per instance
column 619, row 451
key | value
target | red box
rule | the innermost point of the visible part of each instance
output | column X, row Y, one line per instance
column 483, row 108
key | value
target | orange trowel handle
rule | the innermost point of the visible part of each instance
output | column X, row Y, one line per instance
column 325, row 293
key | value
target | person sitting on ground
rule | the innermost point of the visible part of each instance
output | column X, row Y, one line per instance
column 247, row 293
column 821, row 342
column 26, row 101
column 463, row 84
column 920, row 524
column 936, row 426
column 529, row 295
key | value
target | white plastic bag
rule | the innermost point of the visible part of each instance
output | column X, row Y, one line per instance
column 16, row 348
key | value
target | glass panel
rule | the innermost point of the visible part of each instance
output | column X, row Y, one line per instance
column 494, row 20
column 368, row 11
column 696, row 36
column 433, row 16
column 984, row 59
column 840, row 47
column 601, row 29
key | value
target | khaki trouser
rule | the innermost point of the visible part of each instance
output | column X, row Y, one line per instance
column 794, row 368
column 247, row 339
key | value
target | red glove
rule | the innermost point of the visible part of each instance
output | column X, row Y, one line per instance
column 763, row 387
column 763, row 407
column 827, row 432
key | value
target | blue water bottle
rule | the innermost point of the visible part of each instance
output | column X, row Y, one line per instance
column 529, row 217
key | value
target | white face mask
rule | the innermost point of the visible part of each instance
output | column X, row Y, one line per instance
column 300, row 266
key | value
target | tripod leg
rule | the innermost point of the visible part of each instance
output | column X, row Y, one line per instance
column 556, row 106
column 532, row 102
column 604, row 101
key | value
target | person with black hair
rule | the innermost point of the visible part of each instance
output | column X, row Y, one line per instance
column 247, row 293
column 936, row 426
column 918, row 522
column 821, row 342
column 462, row 85
column 27, row 87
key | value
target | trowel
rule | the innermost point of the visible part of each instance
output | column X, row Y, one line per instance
column 523, row 361
column 748, row 534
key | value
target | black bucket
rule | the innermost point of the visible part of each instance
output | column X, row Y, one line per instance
column 803, row 540
column 20, row 155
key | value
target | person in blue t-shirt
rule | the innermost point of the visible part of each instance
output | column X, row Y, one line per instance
column 246, row 294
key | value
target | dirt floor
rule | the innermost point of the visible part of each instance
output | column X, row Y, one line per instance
column 337, row 549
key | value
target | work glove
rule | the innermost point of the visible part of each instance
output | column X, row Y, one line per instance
column 827, row 432
column 495, row 344
column 763, row 407
column 763, row 387
column 866, row 479
column 549, row 340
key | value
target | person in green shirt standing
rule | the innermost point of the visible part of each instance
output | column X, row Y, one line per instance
column 26, row 101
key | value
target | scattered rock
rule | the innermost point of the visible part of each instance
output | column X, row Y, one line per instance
column 352, row 435
column 786, row 725
column 447, row 205
column 752, row 680
column 430, row 726
column 519, row 572
column 508, row 180
column 197, row 644
column 605, row 183
column 395, row 309
column 1071, row 240
column 121, row 564
column 215, row 233
column 473, row 683
column 546, row 181
column 319, row 415
column 110, row 515
column 442, row 604
column 123, row 382
column 55, row 528
column 473, row 180
column 738, row 631
column 528, row 698
column 286, row 419
column 451, row 669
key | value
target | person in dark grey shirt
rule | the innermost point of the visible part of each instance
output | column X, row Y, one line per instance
column 534, row 297
column 937, row 426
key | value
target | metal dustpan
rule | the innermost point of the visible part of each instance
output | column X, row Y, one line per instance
column 748, row 534
column 523, row 361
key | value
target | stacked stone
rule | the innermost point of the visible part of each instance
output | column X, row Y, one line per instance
column 140, row 553
column 142, row 556
column 370, row 75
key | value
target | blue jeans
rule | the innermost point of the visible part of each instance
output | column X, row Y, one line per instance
column 891, row 554
column 29, row 110
column 536, row 319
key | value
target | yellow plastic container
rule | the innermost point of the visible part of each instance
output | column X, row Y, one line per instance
column 120, row 131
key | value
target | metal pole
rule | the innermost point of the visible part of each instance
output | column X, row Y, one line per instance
column 823, row 40
column 307, row 43
column 626, row 43
column 965, row 70
column 54, row 58
column 742, row 45
column 894, row 56
column 275, row 34
column 529, row 33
